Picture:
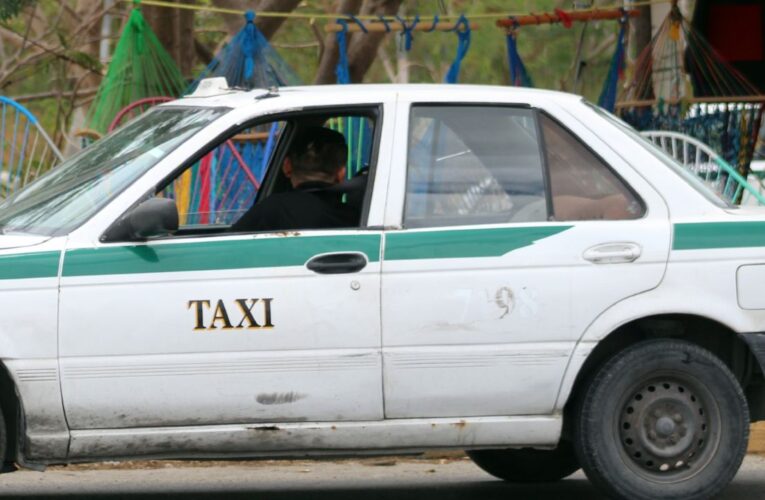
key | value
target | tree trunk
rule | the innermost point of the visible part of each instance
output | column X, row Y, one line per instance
column 641, row 31
column 175, row 30
column 362, row 47
column 362, row 51
column 78, row 77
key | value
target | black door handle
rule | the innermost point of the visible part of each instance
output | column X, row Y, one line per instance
column 337, row 263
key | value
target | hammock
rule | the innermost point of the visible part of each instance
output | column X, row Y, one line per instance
column 26, row 151
column 249, row 62
column 140, row 68
column 519, row 76
column 675, row 67
column 607, row 99
column 462, row 28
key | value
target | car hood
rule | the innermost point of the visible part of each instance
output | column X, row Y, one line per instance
column 19, row 240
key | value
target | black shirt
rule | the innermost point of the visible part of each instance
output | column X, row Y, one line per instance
column 309, row 206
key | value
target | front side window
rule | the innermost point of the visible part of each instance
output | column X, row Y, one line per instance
column 473, row 165
column 70, row 194
column 219, row 187
column 305, row 171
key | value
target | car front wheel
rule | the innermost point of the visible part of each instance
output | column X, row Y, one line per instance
column 662, row 419
column 528, row 465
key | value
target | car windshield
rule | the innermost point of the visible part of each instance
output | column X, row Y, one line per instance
column 668, row 160
column 71, row 193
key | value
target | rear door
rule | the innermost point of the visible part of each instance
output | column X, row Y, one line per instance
column 514, row 233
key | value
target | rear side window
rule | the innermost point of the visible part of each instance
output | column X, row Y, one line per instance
column 473, row 165
column 583, row 187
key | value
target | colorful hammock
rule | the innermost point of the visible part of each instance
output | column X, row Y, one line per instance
column 26, row 151
column 659, row 96
column 140, row 68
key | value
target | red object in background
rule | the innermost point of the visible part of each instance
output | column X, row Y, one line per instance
column 735, row 31
column 204, row 193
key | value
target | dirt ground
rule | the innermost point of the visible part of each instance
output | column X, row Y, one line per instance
column 757, row 438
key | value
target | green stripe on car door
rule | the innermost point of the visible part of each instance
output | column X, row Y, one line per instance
column 214, row 255
column 29, row 265
column 708, row 235
column 464, row 243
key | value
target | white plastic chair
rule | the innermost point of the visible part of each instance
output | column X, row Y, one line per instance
column 709, row 166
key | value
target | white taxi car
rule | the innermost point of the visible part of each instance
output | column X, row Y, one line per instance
column 529, row 280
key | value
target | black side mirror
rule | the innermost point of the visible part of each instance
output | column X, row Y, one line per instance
column 152, row 217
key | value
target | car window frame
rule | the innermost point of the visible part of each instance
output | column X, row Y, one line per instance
column 376, row 108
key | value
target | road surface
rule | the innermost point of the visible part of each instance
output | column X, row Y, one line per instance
column 397, row 478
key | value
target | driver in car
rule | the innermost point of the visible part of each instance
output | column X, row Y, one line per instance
column 315, row 163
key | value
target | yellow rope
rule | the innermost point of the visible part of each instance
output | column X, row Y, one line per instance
column 332, row 17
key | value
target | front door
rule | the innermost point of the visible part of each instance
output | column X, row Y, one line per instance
column 214, row 327
column 515, row 236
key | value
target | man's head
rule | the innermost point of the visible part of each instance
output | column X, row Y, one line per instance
column 318, row 154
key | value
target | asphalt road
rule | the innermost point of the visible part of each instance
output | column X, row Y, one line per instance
column 370, row 479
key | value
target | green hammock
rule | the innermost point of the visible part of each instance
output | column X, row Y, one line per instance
column 140, row 67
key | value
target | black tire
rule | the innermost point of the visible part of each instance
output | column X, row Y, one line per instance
column 664, row 419
column 528, row 465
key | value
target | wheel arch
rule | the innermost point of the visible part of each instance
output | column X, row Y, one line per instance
column 706, row 332
column 12, row 412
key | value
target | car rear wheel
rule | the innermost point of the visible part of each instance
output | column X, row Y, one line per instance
column 528, row 465
column 663, row 419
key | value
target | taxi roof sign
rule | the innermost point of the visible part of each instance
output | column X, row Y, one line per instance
column 211, row 86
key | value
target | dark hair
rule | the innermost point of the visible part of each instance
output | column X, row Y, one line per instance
column 318, row 149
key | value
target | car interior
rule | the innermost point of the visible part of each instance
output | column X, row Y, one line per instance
column 218, row 186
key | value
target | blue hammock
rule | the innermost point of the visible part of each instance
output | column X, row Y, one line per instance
column 607, row 97
column 462, row 28
column 248, row 61
column 519, row 76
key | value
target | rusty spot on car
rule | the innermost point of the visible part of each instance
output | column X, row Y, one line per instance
column 461, row 424
column 279, row 398
column 265, row 428
column 287, row 233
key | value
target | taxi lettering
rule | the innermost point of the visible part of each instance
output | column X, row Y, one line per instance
column 240, row 314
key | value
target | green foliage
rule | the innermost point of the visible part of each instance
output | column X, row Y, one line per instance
column 11, row 8
column 84, row 59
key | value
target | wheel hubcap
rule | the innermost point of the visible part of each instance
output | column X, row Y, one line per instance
column 663, row 426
